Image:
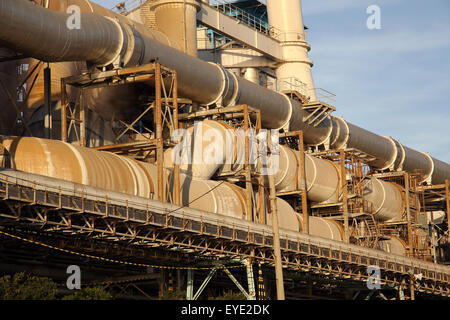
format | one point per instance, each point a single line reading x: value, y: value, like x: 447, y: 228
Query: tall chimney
x: 177, y: 19
x: 285, y: 16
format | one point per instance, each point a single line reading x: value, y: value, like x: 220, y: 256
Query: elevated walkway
x: 226, y: 19
x: 61, y: 206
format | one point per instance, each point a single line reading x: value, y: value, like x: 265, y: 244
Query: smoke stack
x: 285, y: 16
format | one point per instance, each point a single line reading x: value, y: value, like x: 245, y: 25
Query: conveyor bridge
x: 63, y: 206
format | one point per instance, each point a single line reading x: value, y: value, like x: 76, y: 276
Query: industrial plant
x: 181, y: 149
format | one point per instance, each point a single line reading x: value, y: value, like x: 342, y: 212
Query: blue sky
x: 394, y: 81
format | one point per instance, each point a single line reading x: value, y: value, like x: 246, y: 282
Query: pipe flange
x: 391, y: 163
x: 427, y: 177
x: 286, y: 124
x: 222, y: 88
x: 121, y: 49
x: 398, y: 165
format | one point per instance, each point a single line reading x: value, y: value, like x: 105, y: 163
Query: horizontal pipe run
x: 101, y: 41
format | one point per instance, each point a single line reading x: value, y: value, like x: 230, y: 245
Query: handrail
x: 127, y: 6
x: 243, y: 16
x: 223, y: 6
x: 27, y: 180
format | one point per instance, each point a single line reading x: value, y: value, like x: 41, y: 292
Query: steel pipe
x: 104, y: 41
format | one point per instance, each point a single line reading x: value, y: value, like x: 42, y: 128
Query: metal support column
x: 47, y: 102
x: 247, y: 169
x: 411, y: 287
x: 176, y: 183
x: 63, y: 111
x: 158, y: 132
x: 82, y: 119
x: 276, y: 231
x: 250, y: 280
x: 344, y: 195
x: 261, y: 288
x: 408, y: 216
x: 304, y: 187
x: 190, y: 285
x: 447, y: 200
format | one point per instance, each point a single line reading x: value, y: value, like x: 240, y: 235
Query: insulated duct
x: 104, y: 170
x: 106, y: 41
x: 211, y: 145
x: 108, y: 171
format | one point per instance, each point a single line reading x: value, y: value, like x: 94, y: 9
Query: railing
x: 243, y: 16
x: 67, y: 196
x: 325, y: 96
x: 292, y: 84
x: 124, y: 7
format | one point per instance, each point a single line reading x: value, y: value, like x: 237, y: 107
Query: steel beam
x: 204, y: 284
x: 236, y: 282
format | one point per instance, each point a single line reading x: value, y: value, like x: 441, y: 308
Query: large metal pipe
x: 104, y: 41
x: 178, y: 20
x: 386, y: 199
x: 68, y: 162
x: 209, y: 145
x: 108, y: 171
x: 113, y: 173
x: 128, y: 45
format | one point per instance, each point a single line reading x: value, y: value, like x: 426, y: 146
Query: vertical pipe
x: 158, y: 132
x: 344, y: 195
x: 276, y: 233
x: 48, y: 102
x: 177, y: 19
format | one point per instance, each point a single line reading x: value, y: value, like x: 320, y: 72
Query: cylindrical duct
x: 252, y: 75
x: 205, y: 147
x: 287, y: 217
x: 321, y: 227
x: 322, y: 177
x: 178, y: 20
x: 285, y: 16
x: 44, y: 34
x: 382, y: 148
x: 104, y: 41
x: 394, y: 245
x: 416, y: 160
x: 56, y: 159
x: 440, y: 172
x: 385, y: 198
